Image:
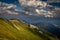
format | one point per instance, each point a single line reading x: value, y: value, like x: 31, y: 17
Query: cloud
x: 10, y: 9
x: 33, y: 3
x: 6, y: 5
x: 7, y: 8
x: 11, y: 6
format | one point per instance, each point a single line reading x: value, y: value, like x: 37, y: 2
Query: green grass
x: 9, y: 32
x: 16, y: 30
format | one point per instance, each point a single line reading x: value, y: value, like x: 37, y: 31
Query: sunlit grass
x: 11, y: 33
x: 16, y: 30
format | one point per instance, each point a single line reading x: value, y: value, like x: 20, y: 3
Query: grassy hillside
x: 16, y: 30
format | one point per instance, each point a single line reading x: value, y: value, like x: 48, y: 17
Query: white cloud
x: 11, y: 6
x: 33, y: 3
x: 7, y: 8
x: 6, y: 5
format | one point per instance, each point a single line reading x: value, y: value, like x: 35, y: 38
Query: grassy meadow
x: 17, y: 30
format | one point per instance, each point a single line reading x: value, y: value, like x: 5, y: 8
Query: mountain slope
x: 16, y: 30
x: 8, y: 32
